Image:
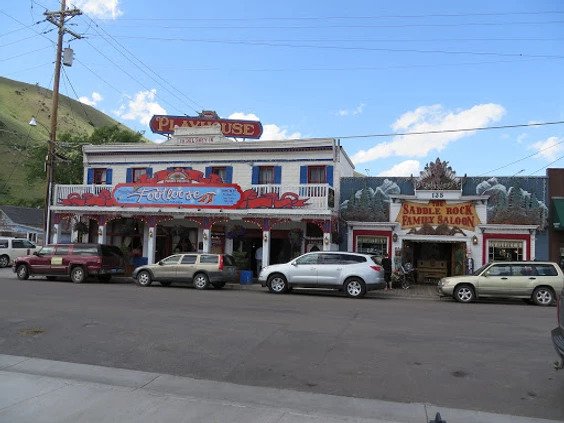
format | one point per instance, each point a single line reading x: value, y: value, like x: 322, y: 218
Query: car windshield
x: 480, y: 270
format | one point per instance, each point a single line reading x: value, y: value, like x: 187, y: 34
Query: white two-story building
x: 202, y: 191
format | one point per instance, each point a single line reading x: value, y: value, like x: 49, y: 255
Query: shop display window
x: 376, y: 245
x: 505, y: 251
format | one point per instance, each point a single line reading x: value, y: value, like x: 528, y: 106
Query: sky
x: 370, y: 73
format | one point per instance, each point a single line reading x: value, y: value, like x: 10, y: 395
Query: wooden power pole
x: 57, y: 18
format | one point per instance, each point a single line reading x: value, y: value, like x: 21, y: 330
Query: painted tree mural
x: 512, y: 205
x: 370, y: 205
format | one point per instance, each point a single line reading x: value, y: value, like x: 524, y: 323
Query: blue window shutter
x: 129, y: 175
x: 149, y: 172
x: 255, y: 179
x: 208, y: 171
x: 330, y: 175
x: 228, y: 174
x: 170, y: 169
x: 109, y: 176
x: 277, y: 174
x: 90, y: 177
x: 303, y: 174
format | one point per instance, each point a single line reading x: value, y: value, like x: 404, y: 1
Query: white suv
x: 352, y: 273
x: 10, y: 248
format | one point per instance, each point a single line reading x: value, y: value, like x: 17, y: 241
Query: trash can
x: 139, y: 261
x: 246, y: 277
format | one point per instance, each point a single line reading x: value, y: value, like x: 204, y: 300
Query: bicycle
x: 406, y: 277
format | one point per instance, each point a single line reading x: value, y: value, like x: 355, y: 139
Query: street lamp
x: 49, y: 168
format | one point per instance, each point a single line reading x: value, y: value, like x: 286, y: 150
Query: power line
x: 446, y: 131
x: 544, y: 167
x: 145, y: 68
x: 301, y: 18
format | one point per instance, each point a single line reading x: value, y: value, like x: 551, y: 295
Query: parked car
x: 77, y: 261
x: 201, y: 269
x: 10, y: 248
x: 353, y: 273
x: 558, y: 332
x: 531, y: 280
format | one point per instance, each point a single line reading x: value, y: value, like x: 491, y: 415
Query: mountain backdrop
x: 19, y: 102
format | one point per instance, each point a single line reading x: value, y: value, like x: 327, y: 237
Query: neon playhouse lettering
x: 158, y: 194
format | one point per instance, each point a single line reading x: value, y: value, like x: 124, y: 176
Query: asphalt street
x: 490, y: 356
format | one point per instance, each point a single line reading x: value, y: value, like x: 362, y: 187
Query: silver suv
x: 201, y: 269
x: 352, y: 273
x: 536, y: 281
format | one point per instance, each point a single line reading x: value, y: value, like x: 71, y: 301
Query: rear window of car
x: 228, y: 260
x: 109, y: 250
x: 22, y: 243
x: 189, y: 259
x: 62, y: 250
x: 546, y: 270
x: 209, y: 259
x: 85, y: 250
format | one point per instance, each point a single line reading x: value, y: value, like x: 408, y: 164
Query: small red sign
x: 164, y: 124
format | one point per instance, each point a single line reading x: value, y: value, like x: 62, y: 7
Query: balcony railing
x: 320, y: 196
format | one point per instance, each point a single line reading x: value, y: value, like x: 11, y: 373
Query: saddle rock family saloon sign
x: 435, y: 213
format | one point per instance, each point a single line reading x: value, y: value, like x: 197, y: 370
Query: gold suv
x: 530, y: 280
x: 201, y: 269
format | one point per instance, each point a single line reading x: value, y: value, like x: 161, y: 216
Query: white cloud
x: 549, y: 148
x: 269, y: 131
x: 141, y: 107
x: 405, y: 168
x: 99, y: 8
x: 426, y: 119
x: 93, y: 100
x: 356, y: 111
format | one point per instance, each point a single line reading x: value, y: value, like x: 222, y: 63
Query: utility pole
x: 57, y: 18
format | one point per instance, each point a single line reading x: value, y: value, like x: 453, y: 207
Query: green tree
x: 68, y: 160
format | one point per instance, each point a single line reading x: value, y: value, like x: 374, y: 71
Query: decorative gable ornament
x: 438, y: 176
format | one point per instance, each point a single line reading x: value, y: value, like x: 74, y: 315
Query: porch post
x: 56, y: 234
x: 151, y: 228
x: 146, y: 240
x: 327, y: 235
x: 102, y: 230
x: 206, y: 240
x: 265, y: 248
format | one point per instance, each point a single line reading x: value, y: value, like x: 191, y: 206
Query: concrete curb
x: 45, y: 390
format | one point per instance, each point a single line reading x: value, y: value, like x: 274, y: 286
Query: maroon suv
x: 77, y: 261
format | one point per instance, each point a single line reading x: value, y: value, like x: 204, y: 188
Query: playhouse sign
x: 435, y: 213
x: 165, y: 124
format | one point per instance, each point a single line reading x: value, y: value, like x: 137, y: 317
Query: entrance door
x: 458, y: 259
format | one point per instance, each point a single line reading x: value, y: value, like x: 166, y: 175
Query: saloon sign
x: 435, y: 213
x: 164, y: 124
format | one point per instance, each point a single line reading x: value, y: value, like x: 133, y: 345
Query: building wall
x: 555, y: 237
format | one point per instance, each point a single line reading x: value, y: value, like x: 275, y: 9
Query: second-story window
x: 266, y: 175
x: 138, y: 172
x: 99, y: 176
x: 316, y: 175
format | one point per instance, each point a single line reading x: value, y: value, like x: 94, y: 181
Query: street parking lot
x: 493, y: 356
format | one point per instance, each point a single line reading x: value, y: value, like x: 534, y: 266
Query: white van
x: 10, y: 248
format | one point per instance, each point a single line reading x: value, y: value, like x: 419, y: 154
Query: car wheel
x: 464, y: 294
x: 277, y: 284
x: 218, y: 285
x: 78, y: 275
x: 144, y: 278
x: 543, y: 296
x: 165, y: 283
x: 355, y: 288
x: 105, y: 278
x: 201, y: 281
x: 22, y: 272
x: 4, y: 261
x: 51, y: 278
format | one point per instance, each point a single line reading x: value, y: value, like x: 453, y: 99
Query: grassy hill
x: 19, y: 102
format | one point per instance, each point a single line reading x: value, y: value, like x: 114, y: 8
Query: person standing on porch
x: 258, y: 258
x: 387, y: 265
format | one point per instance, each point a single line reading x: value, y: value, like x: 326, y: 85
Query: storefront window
x: 505, y: 251
x: 376, y: 245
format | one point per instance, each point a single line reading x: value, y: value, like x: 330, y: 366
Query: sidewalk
x: 37, y: 390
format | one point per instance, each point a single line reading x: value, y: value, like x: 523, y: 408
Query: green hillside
x: 19, y: 102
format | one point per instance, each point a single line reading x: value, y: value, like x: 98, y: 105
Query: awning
x: 558, y: 213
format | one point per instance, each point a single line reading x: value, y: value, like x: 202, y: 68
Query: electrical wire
x: 551, y: 163
x: 145, y: 68
x: 447, y: 131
